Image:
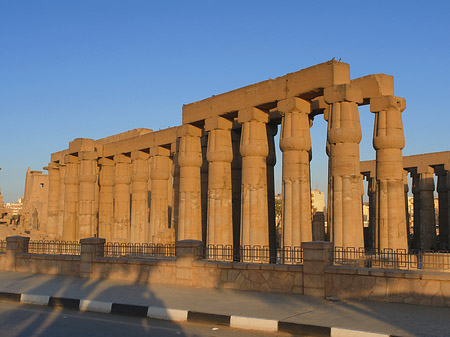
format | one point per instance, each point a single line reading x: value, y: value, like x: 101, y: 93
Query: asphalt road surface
x: 26, y: 320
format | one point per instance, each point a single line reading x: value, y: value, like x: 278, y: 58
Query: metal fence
x: 139, y: 250
x: 254, y: 254
x: 54, y: 247
x: 392, y: 259
x: 2, y: 246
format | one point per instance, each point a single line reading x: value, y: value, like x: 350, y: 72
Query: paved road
x: 26, y: 321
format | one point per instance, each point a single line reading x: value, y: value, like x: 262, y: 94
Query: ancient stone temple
x: 211, y: 178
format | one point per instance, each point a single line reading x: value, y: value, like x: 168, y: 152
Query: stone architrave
x: 219, y: 157
x: 443, y: 191
x: 254, y: 150
x: 53, y: 200
x: 159, y: 213
x: 71, y: 198
x: 189, y: 161
x: 106, y: 199
x: 61, y: 202
x: 139, y: 196
x: 87, y: 177
x: 122, y: 181
x: 388, y: 141
x: 427, y: 211
x: 344, y: 135
x: 295, y: 143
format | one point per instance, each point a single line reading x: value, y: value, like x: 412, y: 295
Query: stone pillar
x: 295, y: 143
x: 344, y: 135
x: 15, y: 245
x: 190, y: 161
x: 106, y: 199
x: 204, y: 184
x: 427, y: 212
x: 53, y: 200
x: 254, y: 150
x: 90, y: 249
x: 271, y: 160
x: 71, y: 198
x: 236, y: 179
x: 139, y: 197
x: 316, y: 257
x: 87, y: 217
x: 219, y: 156
x: 61, y: 202
x: 122, y: 180
x: 416, y: 203
x: 388, y: 141
x: 159, y: 212
x: 443, y: 190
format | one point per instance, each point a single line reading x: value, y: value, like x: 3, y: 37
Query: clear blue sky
x: 91, y: 69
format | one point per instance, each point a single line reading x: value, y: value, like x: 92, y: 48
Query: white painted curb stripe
x: 253, y: 323
x: 339, y: 332
x: 95, y: 306
x: 34, y: 299
x: 167, y: 314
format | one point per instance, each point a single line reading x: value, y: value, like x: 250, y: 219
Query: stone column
x: 204, y: 183
x: 271, y: 160
x: 443, y: 190
x: 61, y: 202
x: 427, y: 212
x: 254, y: 150
x: 106, y: 198
x: 122, y: 180
x: 295, y: 143
x: 236, y: 179
x: 416, y: 204
x: 87, y: 217
x: 139, y: 197
x: 388, y: 141
x: 53, y: 200
x: 190, y: 161
x: 344, y: 135
x: 219, y: 156
x: 70, y: 228
x: 159, y: 212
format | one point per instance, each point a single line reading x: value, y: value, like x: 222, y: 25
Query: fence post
x: 187, y: 251
x: 14, y: 246
x: 317, y: 256
x: 90, y: 248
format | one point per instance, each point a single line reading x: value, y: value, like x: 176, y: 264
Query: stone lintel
x: 189, y: 130
x: 252, y: 114
x: 81, y: 144
x: 121, y: 158
x: 293, y: 104
x: 87, y: 155
x: 159, y: 151
x: 343, y: 93
x: 68, y: 158
x: 139, y: 155
x: 51, y: 166
x: 424, y: 169
x: 375, y: 85
x: 218, y: 123
x: 383, y: 103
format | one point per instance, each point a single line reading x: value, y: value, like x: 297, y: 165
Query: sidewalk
x: 230, y: 306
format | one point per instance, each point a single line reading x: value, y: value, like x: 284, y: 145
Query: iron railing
x: 54, y: 247
x: 254, y: 254
x: 2, y: 246
x: 392, y: 259
x: 139, y: 250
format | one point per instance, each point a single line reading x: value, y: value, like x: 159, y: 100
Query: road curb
x: 177, y: 315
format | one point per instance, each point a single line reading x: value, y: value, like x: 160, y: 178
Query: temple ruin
x: 212, y: 178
